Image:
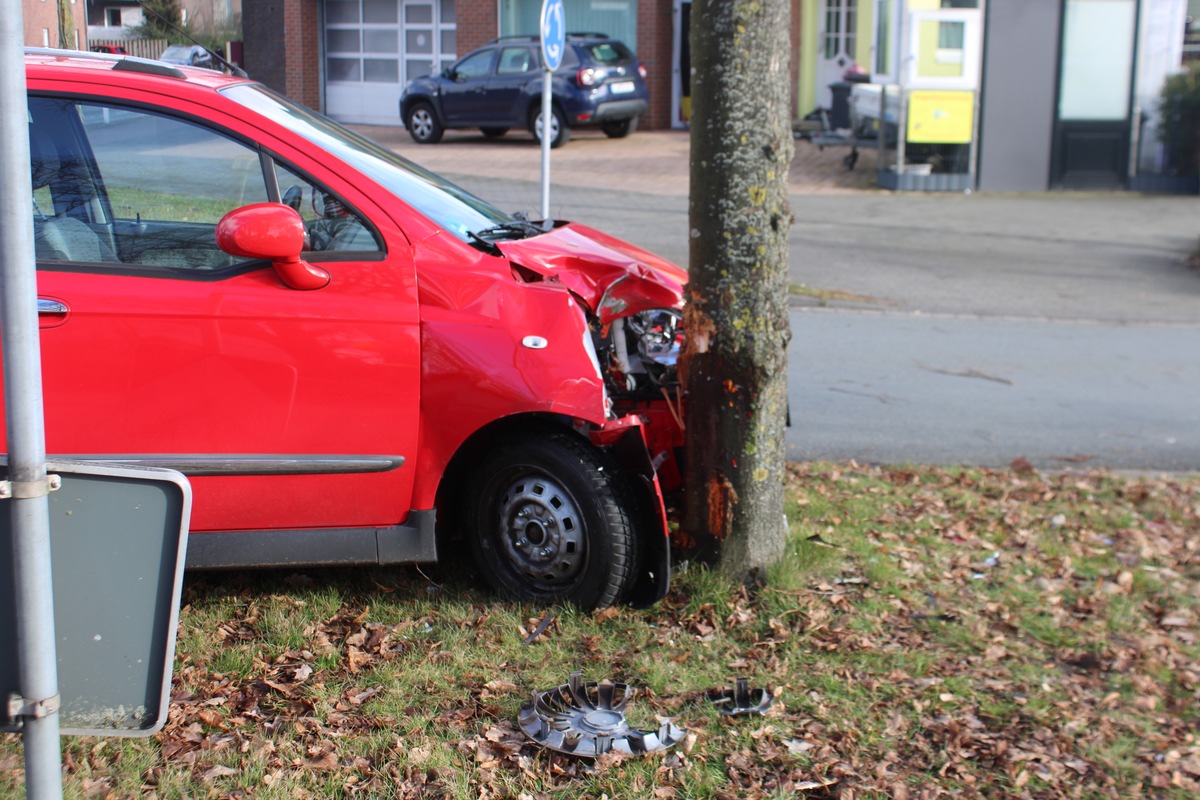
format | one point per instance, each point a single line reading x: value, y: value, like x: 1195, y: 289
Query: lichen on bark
x: 735, y: 366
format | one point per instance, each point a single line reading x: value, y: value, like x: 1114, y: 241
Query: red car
x: 340, y: 348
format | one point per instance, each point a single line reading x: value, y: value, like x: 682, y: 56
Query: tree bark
x: 734, y: 365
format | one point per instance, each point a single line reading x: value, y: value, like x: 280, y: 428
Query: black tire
x: 619, y: 128
x: 558, y: 126
x: 550, y: 520
x: 423, y: 125
x: 493, y: 131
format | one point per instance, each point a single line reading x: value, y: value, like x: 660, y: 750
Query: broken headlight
x: 659, y: 335
x: 641, y: 351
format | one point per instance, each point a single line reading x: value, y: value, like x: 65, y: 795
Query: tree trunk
x: 735, y: 362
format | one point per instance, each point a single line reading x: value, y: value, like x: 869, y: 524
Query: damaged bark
x: 734, y: 366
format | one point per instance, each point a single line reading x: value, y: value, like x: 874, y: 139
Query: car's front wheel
x: 550, y: 520
x: 423, y: 125
x: 619, y: 128
x: 559, y: 132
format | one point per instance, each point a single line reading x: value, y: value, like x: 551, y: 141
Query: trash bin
x: 839, y: 114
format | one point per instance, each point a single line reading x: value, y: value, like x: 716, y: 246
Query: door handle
x: 51, y: 313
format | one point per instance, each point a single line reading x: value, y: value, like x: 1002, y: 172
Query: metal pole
x: 547, y: 116
x: 902, y: 107
x: 38, y: 703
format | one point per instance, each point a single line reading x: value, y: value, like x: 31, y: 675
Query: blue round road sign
x: 554, y: 33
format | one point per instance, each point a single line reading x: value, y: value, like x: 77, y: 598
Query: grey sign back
x: 118, y: 538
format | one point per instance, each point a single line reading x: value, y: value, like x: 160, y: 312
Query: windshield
x: 453, y: 209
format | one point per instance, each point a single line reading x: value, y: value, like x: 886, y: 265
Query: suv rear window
x: 609, y: 52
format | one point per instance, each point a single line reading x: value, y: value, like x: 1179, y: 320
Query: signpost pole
x: 547, y: 116
x: 554, y: 39
x: 37, y: 703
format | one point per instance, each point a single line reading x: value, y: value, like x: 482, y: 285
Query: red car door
x: 289, y: 409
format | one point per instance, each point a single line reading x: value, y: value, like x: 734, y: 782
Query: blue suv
x: 499, y: 86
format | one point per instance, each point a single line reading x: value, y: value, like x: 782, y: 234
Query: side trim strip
x: 194, y: 465
x: 412, y: 542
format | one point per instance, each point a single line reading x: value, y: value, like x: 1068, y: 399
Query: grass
x: 965, y: 633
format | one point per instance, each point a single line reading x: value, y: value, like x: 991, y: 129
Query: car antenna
x: 233, y: 69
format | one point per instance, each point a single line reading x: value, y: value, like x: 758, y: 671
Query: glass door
x: 1093, y: 128
x: 836, y: 40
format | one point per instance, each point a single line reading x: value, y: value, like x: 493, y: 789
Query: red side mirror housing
x: 272, y: 232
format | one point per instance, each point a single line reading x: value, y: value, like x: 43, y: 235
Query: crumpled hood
x: 614, y: 278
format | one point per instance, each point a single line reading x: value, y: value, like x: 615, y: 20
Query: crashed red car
x: 350, y: 358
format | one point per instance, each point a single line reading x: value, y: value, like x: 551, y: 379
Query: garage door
x: 374, y: 47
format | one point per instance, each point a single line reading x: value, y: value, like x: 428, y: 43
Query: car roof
x: 86, y: 67
x: 574, y: 38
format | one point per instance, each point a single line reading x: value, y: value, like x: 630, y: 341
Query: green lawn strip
x: 971, y: 632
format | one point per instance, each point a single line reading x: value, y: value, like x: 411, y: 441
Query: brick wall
x: 478, y: 23
x: 42, y: 15
x: 280, y: 47
x: 656, y: 34
x: 302, y: 31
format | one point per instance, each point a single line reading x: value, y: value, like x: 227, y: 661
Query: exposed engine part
x: 639, y: 353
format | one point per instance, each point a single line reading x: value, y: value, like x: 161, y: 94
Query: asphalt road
x: 935, y: 389
x: 1063, y: 328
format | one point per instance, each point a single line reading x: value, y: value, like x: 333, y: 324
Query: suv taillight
x: 642, y: 71
x: 586, y: 77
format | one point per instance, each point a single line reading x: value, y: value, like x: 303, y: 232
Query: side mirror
x: 273, y: 232
x: 450, y: 74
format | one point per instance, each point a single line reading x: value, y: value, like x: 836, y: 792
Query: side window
x: 514, y: 61
x: 476, y: 65
x: 329, y: 222
x: 134, y: 187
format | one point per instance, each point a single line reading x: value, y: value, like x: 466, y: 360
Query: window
x: 122, y: 186
x: 514, y: 61
x: 112, y: 17
x: 329, y: 222
x: 883, y: 68
x: 477, y: 65
x: 944, y: 49
x: 617, y: 19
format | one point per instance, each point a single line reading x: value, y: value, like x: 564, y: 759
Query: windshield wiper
x: 483, y: 244
x: 517, y: 229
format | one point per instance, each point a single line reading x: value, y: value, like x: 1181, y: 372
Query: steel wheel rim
x: 541, y: 530
x: 422, y: 122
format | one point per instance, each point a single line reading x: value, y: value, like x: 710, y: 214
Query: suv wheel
x: 559, y: 132
x: 423, y: 125
x: 619, y: 128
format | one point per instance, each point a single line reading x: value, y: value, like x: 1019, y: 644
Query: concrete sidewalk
x: 1106, y: 256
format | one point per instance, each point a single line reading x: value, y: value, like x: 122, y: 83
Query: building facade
x: 352, y: 58
x: 46, y: 27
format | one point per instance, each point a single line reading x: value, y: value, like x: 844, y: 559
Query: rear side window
x: 609, y: 52
x: 515, y: 61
